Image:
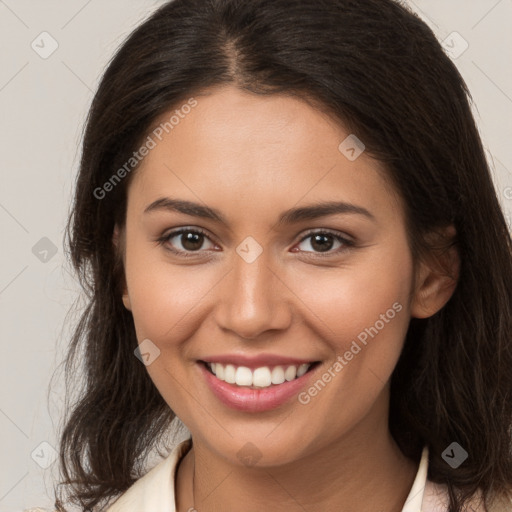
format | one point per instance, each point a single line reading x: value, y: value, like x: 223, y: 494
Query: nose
x: 252, y: 299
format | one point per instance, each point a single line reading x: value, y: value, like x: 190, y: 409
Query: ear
x: 437, y: 278
x: 118, y: 241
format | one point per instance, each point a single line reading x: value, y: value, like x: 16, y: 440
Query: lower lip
x: 254, y: 400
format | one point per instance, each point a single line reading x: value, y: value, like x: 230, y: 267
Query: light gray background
x: 43, y: 103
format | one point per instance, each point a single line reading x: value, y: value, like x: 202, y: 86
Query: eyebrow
x: 291, y: 216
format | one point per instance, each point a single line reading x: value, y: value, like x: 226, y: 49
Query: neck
x: 345, y: 475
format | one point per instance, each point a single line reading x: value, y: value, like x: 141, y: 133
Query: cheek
x: 163, y: 296
x: 362, y: 312
x: 348, y: 300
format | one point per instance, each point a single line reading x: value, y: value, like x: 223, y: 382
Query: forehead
x: 253, y: 152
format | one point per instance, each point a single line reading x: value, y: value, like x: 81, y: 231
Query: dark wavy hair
x: 379, y: 70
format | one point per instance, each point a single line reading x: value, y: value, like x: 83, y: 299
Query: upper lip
x: 257, y: 361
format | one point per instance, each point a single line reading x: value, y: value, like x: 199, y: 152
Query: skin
x: 253, y: 157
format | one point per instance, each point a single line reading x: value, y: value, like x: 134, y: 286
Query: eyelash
x: 349, y: 244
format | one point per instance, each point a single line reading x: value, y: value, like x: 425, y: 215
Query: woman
x: 290, y: 240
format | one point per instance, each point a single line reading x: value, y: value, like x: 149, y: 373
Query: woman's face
x: 258, y: 282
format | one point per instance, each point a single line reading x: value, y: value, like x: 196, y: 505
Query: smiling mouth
x: 258, y: 378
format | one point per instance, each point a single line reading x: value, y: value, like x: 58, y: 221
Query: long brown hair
x: 380, y: 71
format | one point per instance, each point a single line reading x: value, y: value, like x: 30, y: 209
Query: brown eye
x: 186, y: 240
x: 324, y: 241
x: 191, y: 241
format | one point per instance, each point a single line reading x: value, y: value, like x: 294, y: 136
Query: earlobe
x: 118, y: 244
x: 437, y: 280
x: 126, y: 301
x: 116, y: 236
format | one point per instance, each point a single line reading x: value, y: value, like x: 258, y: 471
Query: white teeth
x: 260, y: 377
x: 229, y: 373
x: 290, y: 373
x: 278, y: 375
x: 219, y: 371
x: 243, y: 376
x: 303, y: 368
